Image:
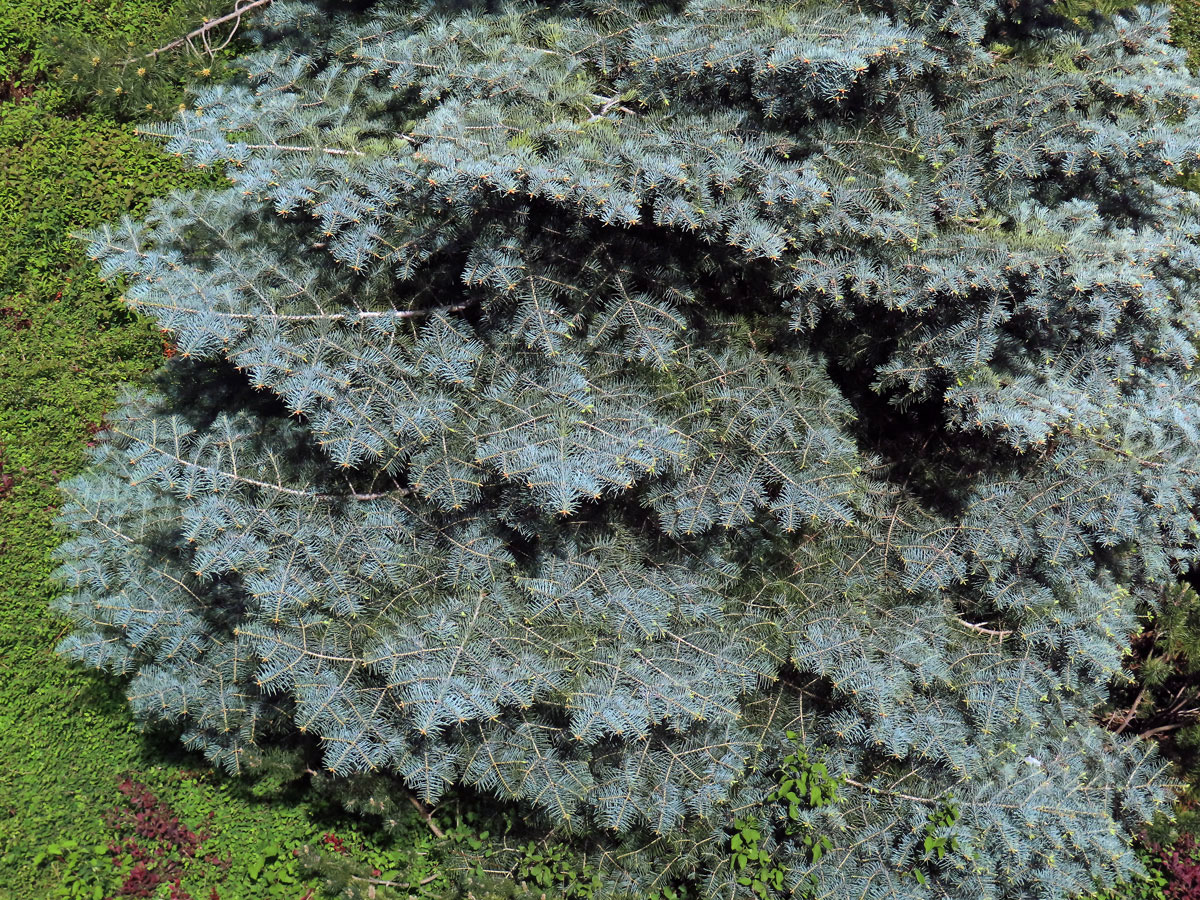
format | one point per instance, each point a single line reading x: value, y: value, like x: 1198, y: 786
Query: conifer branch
x: 306, y: 317
x: 382, y: 882
x: 291, y: 148
x: 295, y: 148
x: 398, y: 492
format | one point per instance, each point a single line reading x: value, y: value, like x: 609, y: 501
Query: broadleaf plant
x: 571, y: 399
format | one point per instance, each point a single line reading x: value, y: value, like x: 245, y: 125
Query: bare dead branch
x: 332, y: 151
x: 203, y: 30
x: 991, y: 632
x: 867, y: 787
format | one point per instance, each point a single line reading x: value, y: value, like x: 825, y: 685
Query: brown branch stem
x: 426, y: 814
x: 1162, y: 729
x: 398, y: 884
x: 1132, y: 710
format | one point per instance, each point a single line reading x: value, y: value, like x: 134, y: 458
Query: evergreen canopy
x: 641, y: 382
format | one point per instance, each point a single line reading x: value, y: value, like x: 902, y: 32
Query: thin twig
x: 874, y: 790
x: 202, y: 31
x: 609, y: 104
x: 1132, y: 710
x: 991, y: 632
x: 320, y: 317
x: 399, y: 884
x: 403, y: 492
x: 396, y: 491
x: 228, y: 39
x: 332, y: 151
x: 59, y: 636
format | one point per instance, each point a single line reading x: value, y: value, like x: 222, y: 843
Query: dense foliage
x: 637, y: 384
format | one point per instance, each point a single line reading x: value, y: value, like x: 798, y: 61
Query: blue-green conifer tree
x: 573, y: 398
